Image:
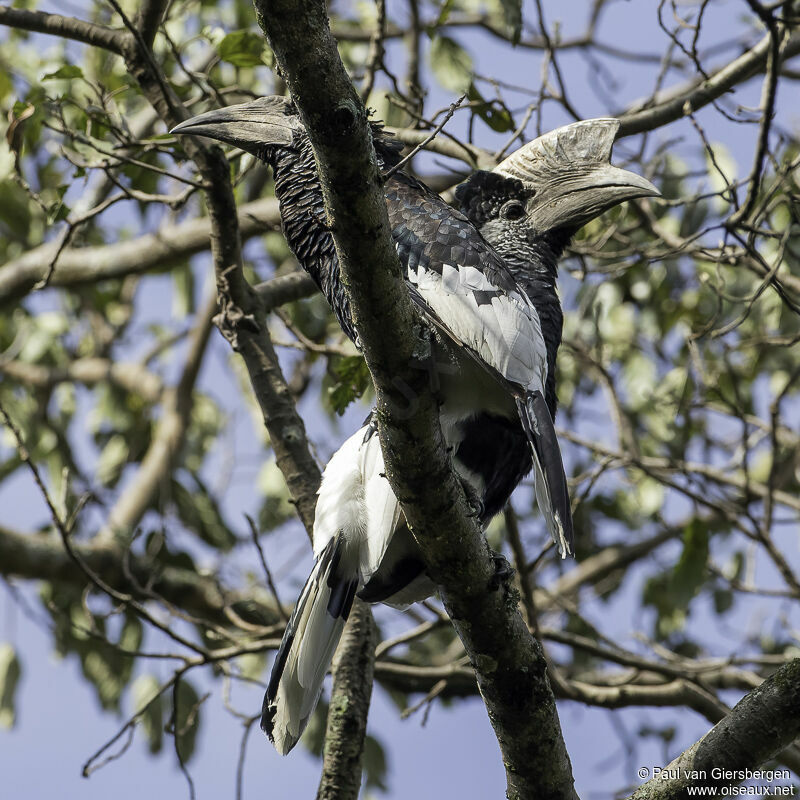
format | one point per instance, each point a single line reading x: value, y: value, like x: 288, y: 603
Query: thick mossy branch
x: 762, y: 723
x: 508, y: 660
x: 353, y: 671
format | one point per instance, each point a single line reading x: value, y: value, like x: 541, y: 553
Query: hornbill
x: 494, y: 298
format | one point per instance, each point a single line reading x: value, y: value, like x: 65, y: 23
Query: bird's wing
x: 464, y: 288
x: 462, y: 285
x: 383, y: 508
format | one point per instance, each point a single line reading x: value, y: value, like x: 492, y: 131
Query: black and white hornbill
x: 496, y: 300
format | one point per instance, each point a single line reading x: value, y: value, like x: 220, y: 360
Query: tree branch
x: 509, y: 663
x: 760, y: 725
x: 285, y: 289
x: 681, y: 102
x: 39, y: 556
x: 129, y: 376
x: 242, y: 322
x: 148, y: 253
x: 353, y: 670
x: 468, y: 153
x: 149, y: 18
x: 156, y: 466
x: 66, y: 27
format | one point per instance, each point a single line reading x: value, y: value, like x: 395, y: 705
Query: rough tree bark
x: 509, y: 662
x: 761, y: 724
x: 353, y: 671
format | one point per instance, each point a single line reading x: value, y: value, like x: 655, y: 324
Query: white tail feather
x: 308, y: 647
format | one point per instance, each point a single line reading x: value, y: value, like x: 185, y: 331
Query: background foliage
x: 678, y: 376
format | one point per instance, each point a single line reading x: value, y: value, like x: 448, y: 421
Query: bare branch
x: 347, y: 712
x: 130, y: 376
x: 148, y: 253
x: 157, y: 464
x: 683, y: 101
x: 149, y: 18
x: 39, y: 556
x: 66, y: 27
x: 757, y: 729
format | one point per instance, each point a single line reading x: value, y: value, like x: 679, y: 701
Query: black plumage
x: 485, y: 280
x: 497, y: 447
x: 463, y: 288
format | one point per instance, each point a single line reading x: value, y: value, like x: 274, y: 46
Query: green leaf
x: 10, y: 671
x: 66, y: 73
x: 41, y: 341
x: 105, y: 662
x: 670, y: 592
x: 690, y: 571
x: 512, y: 15
x: 313, y: 738
x: 200, y: 513
x: 497, y: 117
x: 242, y: 49
x: 15, y: 209
x: 444, y: 15
x: 112, y: 459
x: 723, y: 600
x: 57, y: 212
x: 252, y: 665
x: 353, y: 379
x: 147, y: 699
x: 277, y: 506
x: 187, y: 719
x: 375, y: 763
x: 6, y: 85
x: 156, y: 546
x: 183, y: 296
x: 451, y: 64
x: 108, y: 669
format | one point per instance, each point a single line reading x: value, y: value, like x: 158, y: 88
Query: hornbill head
x: 256, y: 127
x: 554, y: 184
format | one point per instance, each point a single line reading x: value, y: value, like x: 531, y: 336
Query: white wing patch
x: 341, y: 506
x: 450, y: 279
x: 474, y: 279
x: 504, y: 330
x: 383, y: 509
x: 355, y: 499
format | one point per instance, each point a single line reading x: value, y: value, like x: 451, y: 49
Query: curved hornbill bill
x: 485, y: 281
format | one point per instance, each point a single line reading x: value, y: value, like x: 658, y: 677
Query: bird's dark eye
x: 512, y: 210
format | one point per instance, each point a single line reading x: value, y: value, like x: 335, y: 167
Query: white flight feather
x: 506, y: 333
x: 316, y: 634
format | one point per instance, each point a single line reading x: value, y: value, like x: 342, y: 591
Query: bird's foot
x: 476, y: 506
x: 503, y: 571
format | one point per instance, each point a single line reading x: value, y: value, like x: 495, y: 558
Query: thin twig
x: 265, y: 567
x: 452, y: 110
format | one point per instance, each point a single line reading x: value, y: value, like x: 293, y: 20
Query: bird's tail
x: 552, y: 495
x: 308, y: 645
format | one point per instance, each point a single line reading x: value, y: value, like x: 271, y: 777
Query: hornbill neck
x: 534, y: 265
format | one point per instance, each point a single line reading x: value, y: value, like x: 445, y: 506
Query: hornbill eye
x: 512, y: 210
